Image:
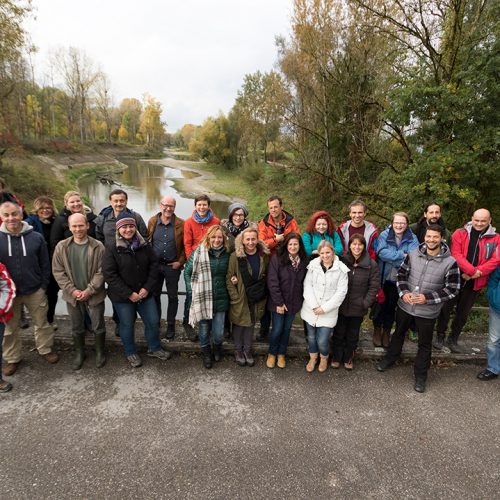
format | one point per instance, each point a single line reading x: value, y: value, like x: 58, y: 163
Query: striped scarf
x: 202, y: 303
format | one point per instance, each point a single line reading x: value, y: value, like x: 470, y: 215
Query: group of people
x: 239, y: 273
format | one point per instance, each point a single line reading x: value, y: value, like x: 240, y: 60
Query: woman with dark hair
x: 205, y: 278
x: 320, y: 227
x: 285, y: 278
x: 235, y: 223
x: 362, y: 289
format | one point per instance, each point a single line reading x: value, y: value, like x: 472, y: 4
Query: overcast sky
x: 191, y: 55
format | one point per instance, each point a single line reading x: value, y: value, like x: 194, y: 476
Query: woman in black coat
x: 364, y: 283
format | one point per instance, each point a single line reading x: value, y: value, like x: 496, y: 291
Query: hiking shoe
x: 383, y: 365
x: 454, y: 347
x: 5, y: 386
x: 160, y: 354
x: 10, y: 368
x: 51, y: 357
x: 412, y: 336
x: 438, y: 343
x: 419, y: 385
x: 134, y: 360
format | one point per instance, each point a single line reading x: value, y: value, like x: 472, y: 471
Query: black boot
x: 206, y: 354
x: 79, y: 344
x: 100, y: 357
x: 217, y: 352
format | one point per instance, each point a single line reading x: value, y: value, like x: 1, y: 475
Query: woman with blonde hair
x: 205, y: 278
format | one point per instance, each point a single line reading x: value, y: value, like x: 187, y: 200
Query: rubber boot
x: 217, y: 352
x: 206, y: 353
x: 79, y: 344
x: 323, y: 363
x: 313, y: 358
x: 100, y: 357
x: 386, y: 337
x: 377, y: 336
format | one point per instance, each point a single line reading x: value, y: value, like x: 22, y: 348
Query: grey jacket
x: 105, y: 225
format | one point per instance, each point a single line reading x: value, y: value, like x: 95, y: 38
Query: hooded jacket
x: 105, y: 224
x: 26, y: 257
x: 326, y: 290
x: 7, y: 294
x: 267, y: 229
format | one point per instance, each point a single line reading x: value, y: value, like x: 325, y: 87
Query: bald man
x: 476, y: 248
x: 166, y: 234
x: 76, y: 265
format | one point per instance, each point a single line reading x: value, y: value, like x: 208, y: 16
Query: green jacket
x: 218, y: 268
x: 239, y: 311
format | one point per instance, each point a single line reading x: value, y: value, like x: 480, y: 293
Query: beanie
x: 125, y: 219
x: 235, y: 206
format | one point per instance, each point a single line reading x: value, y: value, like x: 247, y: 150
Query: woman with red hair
x: 320, y: 227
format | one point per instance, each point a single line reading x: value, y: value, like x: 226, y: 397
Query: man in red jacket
x: 476, y: 248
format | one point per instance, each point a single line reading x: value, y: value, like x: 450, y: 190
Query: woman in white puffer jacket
x: 325, y: 287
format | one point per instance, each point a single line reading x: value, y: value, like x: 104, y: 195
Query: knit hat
x: 125, y: 219
x: 235, y: 206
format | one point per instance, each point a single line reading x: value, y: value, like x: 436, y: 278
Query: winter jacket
x: 178, y: 235
x: 239, y: 310
x: 285, y: 285
x: 194, y: 233
x: 7, y: 295
x: 418, y: 228
x: 61, y: 269
x: 105, y: 224
x: 371, y: 235
x: 326, y: 290
x: 127, y: 271
x: 494, y: 290
x: 364, y: 282
x: 489, y: 253
x: 219, y: 261
x: 26, y: 257
x: 312, y: 240
x: 437, y: 277
x: 389, y: 255
x: 60, y: 229
x: 267, y: 229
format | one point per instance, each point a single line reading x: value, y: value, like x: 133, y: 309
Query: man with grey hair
x: 25, y: 254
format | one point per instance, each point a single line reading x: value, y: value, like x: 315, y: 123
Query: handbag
x: 255, y: 289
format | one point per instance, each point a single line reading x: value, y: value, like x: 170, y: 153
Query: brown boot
x: 377, y: 336
x: 271, y: 361
x: 313, y: 358
x: 386, y: 337
x: 281, y: 361
x: 323, y: 363
x: 10, y: 368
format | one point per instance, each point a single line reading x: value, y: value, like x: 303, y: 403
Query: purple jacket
x: 285, y: 285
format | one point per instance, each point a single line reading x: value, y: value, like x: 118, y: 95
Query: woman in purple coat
x: 285, y: 281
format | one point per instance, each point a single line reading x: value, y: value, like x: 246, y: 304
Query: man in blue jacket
x: 25, y: 254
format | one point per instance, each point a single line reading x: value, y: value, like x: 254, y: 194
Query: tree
x: 131, y: 110
x: 151, y: 127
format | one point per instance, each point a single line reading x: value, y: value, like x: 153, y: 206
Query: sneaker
x: 5, y: 386
x: 412, y: 336
x: 454, y: 347
x: 134, y: 360
x: 160, y: 354
x: 438, y: 343
x: 51, y: 357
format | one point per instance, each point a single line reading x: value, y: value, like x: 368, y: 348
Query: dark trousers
x: 464, y: 302
x: 346, y: 337
x: 425, y: 327
x: 243, y: 338
x: 52, y: 292
x: 171, y: 278
x: 385, y: 318
x: 265, y: 323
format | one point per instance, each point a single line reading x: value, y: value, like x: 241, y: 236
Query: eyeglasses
x: 164, y: 205
x: 399, y: 223
x: 45, y: 208
x: 238, y: 215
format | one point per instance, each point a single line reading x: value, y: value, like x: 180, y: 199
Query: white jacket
x: 325, y: 290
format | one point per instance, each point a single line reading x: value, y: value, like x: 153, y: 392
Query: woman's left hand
x: 318, y: 311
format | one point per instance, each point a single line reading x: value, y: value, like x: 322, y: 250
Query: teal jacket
x: 219, y: 261
x: 311, y: 242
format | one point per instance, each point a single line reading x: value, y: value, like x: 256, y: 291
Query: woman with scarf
x: 246, y: 285
x: 325, y: 287
x: 235, y: 223
x: 205, y: 277
x: 130, y: 269
x: 285, y: 277
x: 320, y: 227
x: 362, y: 288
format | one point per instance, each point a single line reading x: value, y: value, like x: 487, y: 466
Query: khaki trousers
x: 37, y: 305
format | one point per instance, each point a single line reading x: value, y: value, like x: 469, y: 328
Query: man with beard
x: 432, y: 215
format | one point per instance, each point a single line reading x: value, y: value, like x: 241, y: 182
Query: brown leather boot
x: 313, y: 358
x: 386, y: 337
x: 377, y: 336
x: 323, y: 363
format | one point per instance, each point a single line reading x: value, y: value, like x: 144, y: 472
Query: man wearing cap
x: 166, y: 235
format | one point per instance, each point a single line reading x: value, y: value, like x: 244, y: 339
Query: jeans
x: 216, y: 324
x: 77, y: 316
x: 318, y: 339
x: 148, y: 312
x: 385, y: 318
x: 171, y: 278
x: 346, y: 337
x: 280, y: 333
x: 493, y: 346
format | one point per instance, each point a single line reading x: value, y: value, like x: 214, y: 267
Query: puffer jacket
x: 326, y: 290
x: 126, y: 270
x: 364, y: 282
x: 239, y: 310
x: 219, y: 261
x: 60, y: 229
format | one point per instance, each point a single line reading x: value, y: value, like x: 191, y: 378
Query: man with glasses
x: 166, y: 234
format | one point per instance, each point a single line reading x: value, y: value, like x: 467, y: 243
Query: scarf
x: 134, y: 243
x: 295, y: 262
x: 203, y: 220
x: 201, y: 285
x: 235, y: 230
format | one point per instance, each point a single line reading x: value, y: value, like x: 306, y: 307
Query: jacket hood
x: 26, y: 228
x: 445, y: 251
x: 315, y: 264
x: 407, y: 235
x: 489, y: 232
x: 365, y: 260
x: 239, y: 249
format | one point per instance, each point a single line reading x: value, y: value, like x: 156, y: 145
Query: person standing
x: 235, y: 223
x: 166, y: 235
x: 493, y: 347
x: 24, y: 252
x: 246, y: 285
x: 431, y: 215
x: 7, y: 296
x: 320, y: 226
x: 77, y: 268
x: 325, y: 287
x: 428, y: 277
x: 476, y: 248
